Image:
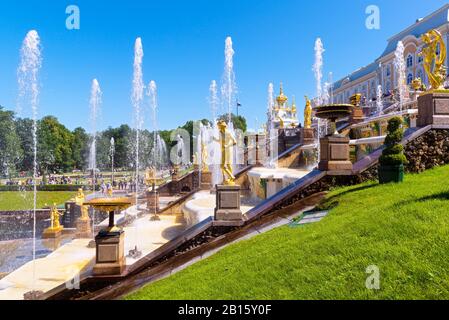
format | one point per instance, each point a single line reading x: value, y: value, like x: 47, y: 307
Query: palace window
x: 388, y: 72
x: 420, y: 59
x: 409, y: 79
x: 420, y: 74
x: 409, y: 61
x: 388, y: 88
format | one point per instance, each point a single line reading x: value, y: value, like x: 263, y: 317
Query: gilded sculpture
x: 308, y: 114
x: 204, y: 157
x: 432, y: 61
x: 227, y: 142
x: 55, y: 225
x: 79, y: 200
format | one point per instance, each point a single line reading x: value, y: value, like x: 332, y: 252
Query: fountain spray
x: 270, y: 125
x: 157, y: 143
x: 152, y: 94
x: 211, y: 133
x: 318, y: 72
x: 136, y: 99
x: 95, y: 107
x: 27, y: 75
x: 213, y: 99
x: 229, y: 88
x: 112, y: 153
x: 399, y: 65
x: 318, y: 69
x: 379, y: 103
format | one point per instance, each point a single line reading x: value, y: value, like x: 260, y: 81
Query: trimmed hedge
x: 49, y: 187
x: 393, y: 154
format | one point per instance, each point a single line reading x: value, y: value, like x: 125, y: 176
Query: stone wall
x: 327, y: 183
x: 427, y: 151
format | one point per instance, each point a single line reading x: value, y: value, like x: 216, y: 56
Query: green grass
x: 11, y: 201
x: 403, y: 229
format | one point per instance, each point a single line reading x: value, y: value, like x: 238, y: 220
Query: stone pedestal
x: 334, y: 154
x: 206, y: 180
x: 357, y: 115
x: 83, y: 228
x: 52, y: 233
x: 307, y: 136
x: 110, y: 257
x: 433, y: 108
x: 153, y: 201
x: 228, y: 204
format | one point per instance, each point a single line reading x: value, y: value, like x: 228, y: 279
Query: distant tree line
x: 61, y: 150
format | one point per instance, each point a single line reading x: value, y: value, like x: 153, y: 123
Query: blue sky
x: 184, y: 47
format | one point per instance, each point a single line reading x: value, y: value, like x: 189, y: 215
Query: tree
x: 54, y: 146
x: 189, y: 128
x: 124, y: 137
x: 10, y: 150
x: 24, y: 128
x: 80, y: 148
x: 238, y: 121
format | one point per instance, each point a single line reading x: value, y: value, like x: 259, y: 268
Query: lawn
x: 10, y: 201
x: 402, y: 229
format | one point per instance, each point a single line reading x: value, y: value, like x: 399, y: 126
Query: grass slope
x: 403, y: 229
x: 11, y: 201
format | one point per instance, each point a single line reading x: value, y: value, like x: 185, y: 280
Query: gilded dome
x: 281, y: 99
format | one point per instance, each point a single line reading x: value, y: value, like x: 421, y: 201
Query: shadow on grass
x: 331, y: 202
x: 443, y: 196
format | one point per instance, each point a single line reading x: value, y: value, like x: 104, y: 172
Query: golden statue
x: 55, y: 229
x: 434, y: 63
x: 355, y: 99
x: 195, y: 159
x: 79, y: 200
x: 80, y: 197
x: 227, y: 142
x: 294, y: 110
x: 204, y: 157
x: 308, y: 114
x: 281, y: 122
x: 54, y: 219
x: 150, y: 175
x: 417, y: 84
x: 110, y: 191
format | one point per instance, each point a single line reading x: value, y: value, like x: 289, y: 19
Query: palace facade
x: 381, y: 72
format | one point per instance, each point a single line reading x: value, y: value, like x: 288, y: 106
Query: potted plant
x: 392, y: 161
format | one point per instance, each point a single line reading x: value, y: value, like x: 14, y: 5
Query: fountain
x: 229, y: 87
x: 379, y: 102
x: 213, y: 148
x: 159, y: 151
x: 110, y: 242
x: 27, y: 75
x: 272, y: 132
x: 95, y: 110
x: 136, y: 99
x: 318, y: 72
x: 111, y: 154
x: 228, y: 92
x: 334, y: 147
x: 399, y: 65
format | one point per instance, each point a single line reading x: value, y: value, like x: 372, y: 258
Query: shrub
x: 393, y: 153
x: 49, y: 187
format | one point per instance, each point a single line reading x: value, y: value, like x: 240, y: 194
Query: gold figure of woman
x: 308, y: 114
x: 227, y: 142
x: 204, y: 157
x: 54, y: 218
x: 433, y: 62
x: 79, y: 200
